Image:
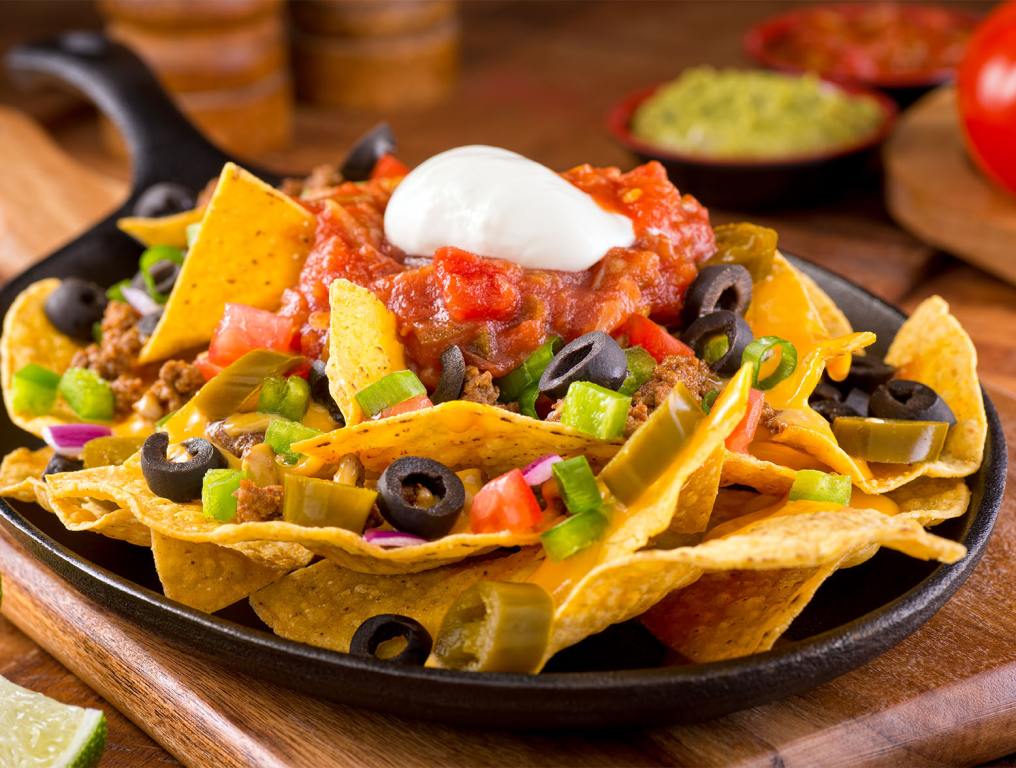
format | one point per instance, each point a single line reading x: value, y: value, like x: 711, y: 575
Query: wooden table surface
x: 538, y: 78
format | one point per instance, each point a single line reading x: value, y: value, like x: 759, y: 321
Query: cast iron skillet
x: 612, y: 679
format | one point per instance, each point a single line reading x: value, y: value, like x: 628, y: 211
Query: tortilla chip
x: 251, y: 246
x: 207, y: 577
x: 835, y: 322
x: 323, y: 604
x: 161, y: 230
x: 363, y: 345
x: 763, y: 476
x: 21, y: 470
x: 931, y: 500
x: 274, y: 541
x: 460, y: 434
x: 930, y: 347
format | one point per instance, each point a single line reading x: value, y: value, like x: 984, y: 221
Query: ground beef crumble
x: 692, y: 372
x: 256, y: 504
x: 479, y: 387
x: 770, y: 419
x: 117, y: 351
x: 321, y: 179
x: 238, y: 445
x: 126, y: 391
x: 178, y: 381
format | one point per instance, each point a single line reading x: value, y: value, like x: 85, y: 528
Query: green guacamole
x: 736, y: 113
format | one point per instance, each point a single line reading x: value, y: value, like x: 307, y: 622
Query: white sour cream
x: 499, y: 204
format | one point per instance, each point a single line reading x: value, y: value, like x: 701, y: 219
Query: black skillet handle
x: 164, y: 146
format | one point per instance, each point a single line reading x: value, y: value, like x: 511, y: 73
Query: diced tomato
x: 506, y: 503
x: 208, y: 369
x: 739, y: 440
x: 244, y: 328
x: 389, y: 166
x: 412, y: 404
x: 474, y: 288
x: 654, y: 339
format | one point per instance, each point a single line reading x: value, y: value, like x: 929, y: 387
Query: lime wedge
x: 37, y: 732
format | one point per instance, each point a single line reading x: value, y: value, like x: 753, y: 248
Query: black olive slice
x: 387, y: 626
x: 138, y: 281
x: 368, y: 149
x: 75, y: 306
x: 146, y: 325
x: 866, y: 373
x: 826, y: 390
x: 178, y: 481
x: 594, y: 357
x: 831, y: 409
x: 720, y: 286
x: 720, y: 323
x: 164, y: 274
x: 857, y: 400
x: 909, y: 401
x: 319, y: 392
x: 397, y: 490
x: 62, y: 464
x: 163, y: 199
x: 453, y: 375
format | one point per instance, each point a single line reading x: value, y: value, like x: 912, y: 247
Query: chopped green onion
x: 150, y: 258
x: 115, y: 291
x: 760, y: 350
x: 217, y: 489
x: 708, y: 399
x: 527, y: 402
x: 573, y: 534
x: 577, y: 484
x: 191, y: 231
x: 286, y: 397
x: 715, y: 348
x: 34, y: 390
x: 391, y: 390
x: 320, y: 503
x: 88, y: 395
x: 97, y: 331
x: 282, y: 433
x: 514, y: 383
x: 813, y: 485
x: 640, y: 367
x: 595, y: 410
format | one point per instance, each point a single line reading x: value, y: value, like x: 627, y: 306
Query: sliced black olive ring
x: 594, y: 357
x: 387, y: 626
x: 909, y: 401
x: 720, y: 323
x: 367, y: 150
x: 866, y: 373
x: 453, y: 376
x: 858, y: 401
x: 62, y: 464
x: 826, y: 390
x: 75, y: 306
x: 319, y: 392
x: 178, y: 481
x: 164, y: 274
x: 163, y: 199
x: 146, y: 325
x: 720, y: 286
x: 832, y: 409
x: 397, y: 489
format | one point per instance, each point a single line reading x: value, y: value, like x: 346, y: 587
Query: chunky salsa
x: 497, y: 311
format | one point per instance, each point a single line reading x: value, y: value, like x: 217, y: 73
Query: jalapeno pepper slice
x: 890, y: 441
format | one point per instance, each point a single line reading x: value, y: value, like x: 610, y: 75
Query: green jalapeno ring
x: 760, y: 350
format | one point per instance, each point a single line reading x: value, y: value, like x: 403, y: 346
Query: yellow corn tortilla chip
x: 205, y: 576
x: 363, y: 345
x: 275, y: 540
x: 29, y: 337
x: 161, y: 230
x: 835, y: 322
x: 251, y: 246
x: 21, y: 470
x: 931, y: 500
x: 460, y: 434
x: 323, y: 604
x: 930, y: 347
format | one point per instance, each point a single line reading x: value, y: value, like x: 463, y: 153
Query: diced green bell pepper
x: 595, y: 410
x: 283, y: 433
x: 34, y: 390
x: 88, y: 395
x: 218, y: 501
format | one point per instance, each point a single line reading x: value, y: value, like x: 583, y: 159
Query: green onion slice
x: 88, y: 395
x: 149, y: 259
x: 515, y: 383
x: 760, y: 350
x: 708, y: 399
x: 115, y: 291
x: 34, y: 390
x: 640, y: 368
x: 813, y: 485
x: 217, y: 489
x: 390, y: 390
x: 577, y: 484
x: 595, y: 410
x: 573, y: 534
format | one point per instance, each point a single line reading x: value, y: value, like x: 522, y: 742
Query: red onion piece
x: 539, y: 471
x: 70, y: 439
x: 391, y: 539
x: 140, y: 300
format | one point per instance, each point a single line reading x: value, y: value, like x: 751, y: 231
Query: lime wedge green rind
x: 38, y: 732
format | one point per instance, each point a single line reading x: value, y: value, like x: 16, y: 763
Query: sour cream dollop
x: 496, y: 203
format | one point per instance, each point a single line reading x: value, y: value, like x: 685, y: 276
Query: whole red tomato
x: 987, y: 95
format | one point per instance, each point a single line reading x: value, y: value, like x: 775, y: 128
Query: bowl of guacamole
x: 754, y: 138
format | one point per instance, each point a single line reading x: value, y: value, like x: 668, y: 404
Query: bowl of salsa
x: 901, y: 49
x: 749, y: 139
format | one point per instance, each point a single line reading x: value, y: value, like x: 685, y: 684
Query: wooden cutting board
x: 946, y: 695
